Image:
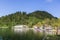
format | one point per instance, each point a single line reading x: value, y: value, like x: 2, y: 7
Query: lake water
x: 1, y: 38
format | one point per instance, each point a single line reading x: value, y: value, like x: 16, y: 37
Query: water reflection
x: 1, y: 38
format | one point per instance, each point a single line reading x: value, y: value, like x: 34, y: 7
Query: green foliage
x: 29, y: 19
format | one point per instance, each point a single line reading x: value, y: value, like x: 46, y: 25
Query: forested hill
x: 41, y: 14
x: 19, y: 18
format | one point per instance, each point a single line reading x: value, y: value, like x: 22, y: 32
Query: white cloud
x: 49, y: 0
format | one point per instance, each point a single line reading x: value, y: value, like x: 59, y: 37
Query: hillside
x: 41, y: 14
x: 24, y: 18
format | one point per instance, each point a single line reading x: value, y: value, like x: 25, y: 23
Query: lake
x: 1, y: 38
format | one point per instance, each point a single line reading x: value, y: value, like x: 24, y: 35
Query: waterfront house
x: 48, y: 29
x: 20, y: 28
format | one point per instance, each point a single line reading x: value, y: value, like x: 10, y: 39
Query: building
x: 46, y: 29
x: 20, y: 28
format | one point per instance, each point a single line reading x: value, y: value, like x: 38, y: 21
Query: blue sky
x: 11, y: 6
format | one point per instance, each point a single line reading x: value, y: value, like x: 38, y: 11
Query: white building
x: 37, y: 29
x: 48, y: 29
x: 20, y: 28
